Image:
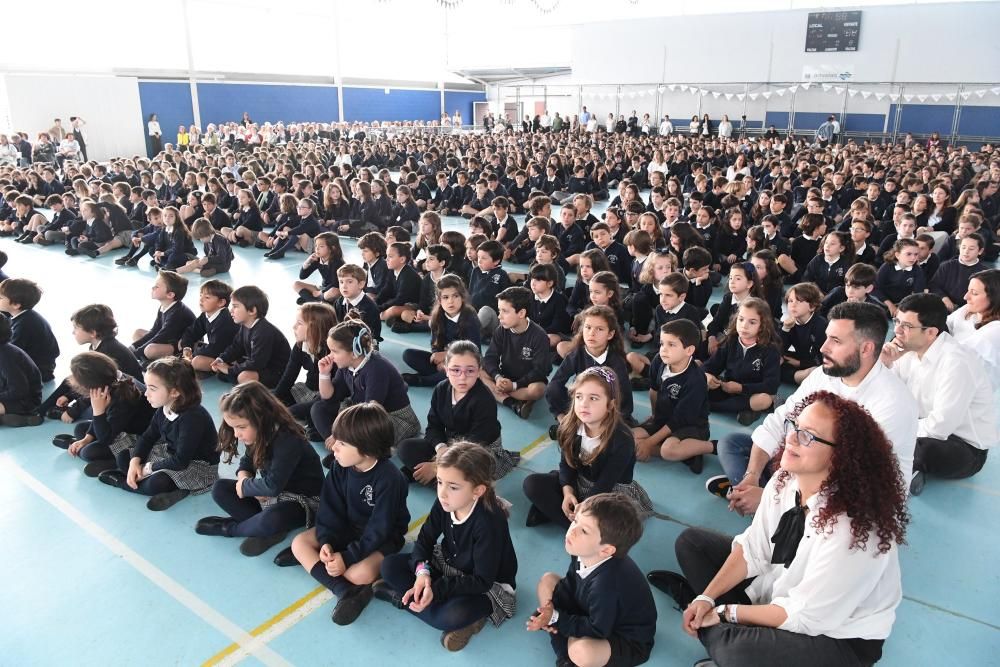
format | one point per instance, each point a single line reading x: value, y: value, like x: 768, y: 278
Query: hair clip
x: 750, y: 269
x: 603, y: 372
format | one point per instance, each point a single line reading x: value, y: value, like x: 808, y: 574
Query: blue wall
x: 223, y: 102
x: 368, y: 104
x: 806, y: 121
x: 979, y: 121
x: 923, y: 118
x: 171, y: 102
x: 463, y: 103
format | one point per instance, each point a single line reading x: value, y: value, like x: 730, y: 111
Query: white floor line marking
x: 277, y: 629
x: 196, y: 605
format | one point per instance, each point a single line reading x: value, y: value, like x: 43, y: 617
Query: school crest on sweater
x: 674, y: 391
x: 757, y: 364
x: 369, y: 495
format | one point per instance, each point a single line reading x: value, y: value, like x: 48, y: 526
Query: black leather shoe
x: 255, y: 546
x: 350, y: 606
x: 695, y: 463
x: 674, y: 585
x: 115, y: 478
x: 285, y: 558
x: 63, y: 440
x: 213, y: 525
x: 383, y: 591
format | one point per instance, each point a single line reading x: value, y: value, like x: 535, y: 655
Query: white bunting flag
x: 827, y: 87
x: 805, y: 86
x: 981, y: 93
x: 921, y: 98
x: 879, y: 96
x: 716, y: 94
x: 966, y: 96
x: 839, y: 90
x: 865, y: 94
x: 672, y: 87
x: 907, y: 98
x: 936, y: 98
x: 852, y: 93
x: 781, y: 92
x: 950, y: 97
x: 684, y: 88
x: 753, y: 96
x: 741, y: 97
x: 729, y: 96
x: 766, y: 95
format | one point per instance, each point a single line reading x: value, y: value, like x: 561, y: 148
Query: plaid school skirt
x: 309, y: 504
x: 197, y: 478
x: 301, y: 393
x: 503, y: 462
x: 633, y: 491
x: 404, y: 423
x: 503, y: 600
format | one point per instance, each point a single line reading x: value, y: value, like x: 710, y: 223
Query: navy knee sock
x: 337, y: 585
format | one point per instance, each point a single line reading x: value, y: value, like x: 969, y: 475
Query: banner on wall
x: 823, y: 73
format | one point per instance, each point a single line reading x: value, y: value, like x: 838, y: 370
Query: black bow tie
x: 789, y: 533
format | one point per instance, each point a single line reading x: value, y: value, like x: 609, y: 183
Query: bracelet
x: 424, y: 572
x: 705, y: 598
x: 324, y: 376
x: 732, y: 614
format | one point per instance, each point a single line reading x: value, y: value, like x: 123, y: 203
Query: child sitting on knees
x: 517, y: 364
x: 601, y: 612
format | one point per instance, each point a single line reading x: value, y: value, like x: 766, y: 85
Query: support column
x: 195, y: 106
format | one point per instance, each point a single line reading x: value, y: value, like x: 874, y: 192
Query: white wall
x: 108, y: 104
x: 937, y: 43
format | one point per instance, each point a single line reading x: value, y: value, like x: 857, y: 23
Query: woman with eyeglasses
x: 815, y: 579
x: 462, y: 408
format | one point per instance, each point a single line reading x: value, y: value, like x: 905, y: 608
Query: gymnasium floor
x: 92, y: 577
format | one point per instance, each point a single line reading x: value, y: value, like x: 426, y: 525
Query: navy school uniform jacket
x: 31, y: 333
x: 758, y: 370
x: 460, y: 194
x: 308, y: 225
x: 612, y: 466
x: 577, y: 361
x: 400, y: 289
x: 619, y: 259
x: 682, y: 399
x: 552, y: 315
x: 895, y: 285
x: 171, y: 243
x: 127, y: 363
x: 219, y: 247
x: 379, y: 273
x: 519, y: 195
x: 20, y: 381
x: 375, y: 380
x: 930, y: 266
x: 261, y: 348
x: 474, y: 418
x: 480, y: 547
x: 807, y: 339
x: 63, y: 218
x: 839, y: 296
x: 210, y: 338
x: 97, y: 231
x: 613, y: 601
x: 442, y: 198
x: 725, y: 312
x: 291, y: 466
x: 466, y: 328
x: 249, y: 218
x: 297, y: 360
x: 571, y: 239
x: 699, y: 295
x: 363, y: 512
x: 122, y: 417
x: 579, y: 298
x: 485, y: 285
x: 168, y: 327
x: 826, y: 276
x: 727, y: 244
x: 408, y: 212
x: 219, y: 218
x: 952, y: 279
x: 520, y: 357
x: 868, y: 255
x: 191, y: 436
x: 508, y: 223
x: 327, y: 273
x: 368, y: 310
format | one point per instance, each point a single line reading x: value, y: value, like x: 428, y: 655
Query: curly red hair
x: 865, y: 481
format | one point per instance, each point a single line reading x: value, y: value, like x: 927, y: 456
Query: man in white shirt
x: 957, y: 419
x: 666, y: 127
x: 545, y: 122
x: 852, y: 369
x: 584, y: 117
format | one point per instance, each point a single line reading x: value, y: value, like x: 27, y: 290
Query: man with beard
x: 851, y: 369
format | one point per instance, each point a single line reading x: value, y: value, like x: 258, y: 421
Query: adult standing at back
x: 77, y: 123
x: 958, y: 423
x: 824, y: 133
x: 584, y: 117
x: 57, y: 131
x: 851, y: 369
x: 155, y: 135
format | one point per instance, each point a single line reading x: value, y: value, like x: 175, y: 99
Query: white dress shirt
x: 882, y: 393
x: 954, y: 395
x: 984, y: 340
x: 829, y: 589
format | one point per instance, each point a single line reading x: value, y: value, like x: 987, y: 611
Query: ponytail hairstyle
x: 269, y: 416
x: 845, y: 240
x: 319, y: 318
x: 438, y: 319
x: 890, y: 256
x: 177, y: 374
x: 750, y: 271
x: 477, y: 466
x: 353, y: 335
x: 569, y: 423
x: 609, y: 281
x: 94, y: 370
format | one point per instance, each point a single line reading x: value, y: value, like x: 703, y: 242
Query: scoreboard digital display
x: 833, y: 31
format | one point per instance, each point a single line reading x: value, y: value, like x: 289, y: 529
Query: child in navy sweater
x: 468, y: 577
x: 827, y: 269
x: 488, y: 279
x: 176, y: 455
x: 549, y: 307
x: 517, y: 363
x: 312, y: 323
x: 744, y: 373
x: 462, y: 408
x: 143, y: 239
x: 619, y: 261
x: 803, y: 332
x: 174, y: 246
x: 259, y: 351
x: 402, y: 284
x: 859, y: 284
x: 29, y: 330
x: 415, y: 316
x: 120, y: 412
x: 452, y: 319
x: 362, y: 516
x: 900, y: 275
x: 677, y: 428
x: 598, y: 454
x: 326, y: 258
x: 373, y: 248
x: 20, y: 383
x: 279, y: 477
x: 213, y: 331
x: 673, y: 305
x: 172, y: 319
x: 354, y: 298
x: 218, y: 253
x: 601, y: 611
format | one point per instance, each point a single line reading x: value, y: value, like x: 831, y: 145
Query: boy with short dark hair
x: 602, y: 611
x: 29, y: 330
x: 487, y: 280
x: 213, y: 331
x: 259, y: 351
x: 859, y: 283
x: 353, y: 297
x: 402, y: 284
x: 517, y: 364
x: 20, y: 383
x: 618, y: 257
x: 172, y: 319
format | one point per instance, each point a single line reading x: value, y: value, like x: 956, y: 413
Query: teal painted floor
x: 92, y: 577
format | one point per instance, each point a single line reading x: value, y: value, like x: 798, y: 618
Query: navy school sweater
x: 577, y: 361
x: 612, y: 466
x: 467, y: 328
x: 759, y: 370
x: 210, y: 339
x: 400, y: 289
x: 520, y: 357
x: 126, y: 361
x: 20, y: 381
x: 261, y: 348
x: 327, y: 273
x: 826, y: 276
x: 619, y: 259
x: 552, y: 315
x: 297, y: 360
x: 292, y: 466
x: 168, y: 328
x: 376, y: 380
x: 191, y: 436
x: 485, y: 285
x: 473, y: 418
x: 30, y: 332
x: 368, y: 310
x: 122, y: 417
x: 897, y: 285
x: 681, y: 400
x: 806, y: 339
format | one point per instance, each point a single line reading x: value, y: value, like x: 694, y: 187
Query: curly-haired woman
x: 815, y: 579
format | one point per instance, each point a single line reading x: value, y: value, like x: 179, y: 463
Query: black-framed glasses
x: 906, y: 326
x: 803, y: 438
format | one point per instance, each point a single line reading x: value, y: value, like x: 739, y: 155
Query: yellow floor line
x: 534, y: 445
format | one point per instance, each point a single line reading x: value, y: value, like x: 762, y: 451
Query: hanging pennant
x: 702, y: 92
x: 794, y: 88
x: 995, y: 91
x: 950, y: 97
x: 852, y: 93
x: 981, y: 93
x: 716, y: 94
x: 753, y: 96
x: 966, y: 96
x: 672, y: 86
x: 805, y: 86
x: 894, y: 97
x: 741, y: 96
x: 683, y: 88
x: 729, y: 96
x: 827, y: 87
x: 865, y: 94
x: 879, y: 96
x: 781, y: 92
x: 661, y: 89
x: 921, y: 98
x: 907, y: 98
x: 839, y: 90
x: 936, y: 98
x: 766, y: 95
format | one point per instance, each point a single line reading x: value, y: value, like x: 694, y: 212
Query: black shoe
x: 214, y: 525
x: 72, y: 252
x: 17, y: 421
x: 115, y: 478
x: 412, y: 380
x: 402, y: 327
x: 123, y: 260
x: 719, y: 486
x: 285, y: 558
x: 747, y: 417
x: 134, y: 261
x: 696, y: 463
x: 90, y: 252
x: 521, y: 408
x: 387, y: 593
x: 640, y: 383
x: 350, y: 606
x: 917, y: 483
x: 95, y: 468
x: 456, y: 640
x: 275, y: 255
x: 243, y: 243
x: 328, y: 461
x: 674, y: 585
x: 313, y: 435
x: 305, y: 296
x: 255, y: 546
x: 164, y: 501
x: 63, y: 440
x: 260, y: 245
x: 536, y: 517
x: 554, y: 432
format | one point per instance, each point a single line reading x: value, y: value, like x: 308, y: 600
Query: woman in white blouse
x: 725, y: 127
x: 815, y: 579
x: 977, y: 323
x: 155, y: 135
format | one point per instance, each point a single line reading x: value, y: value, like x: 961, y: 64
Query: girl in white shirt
x: 822, y: 552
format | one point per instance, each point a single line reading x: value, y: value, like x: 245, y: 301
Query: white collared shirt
x: 361, y: 365
x: 454, y: 318
x: 586, y: 570
x: 601, y: 358
x: 828, y: 589
x: 587, y: 444
x: 164, y: 309
x: 211, y: 318
x: 454, y: 519
x: 985, y: 340
x: 901, y: 268
x: 667, y: 373
x: 170, y: 414
x: 546, y: 299
x: 954, y: 394
x: 356, y: 300
x: 881, y: 392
